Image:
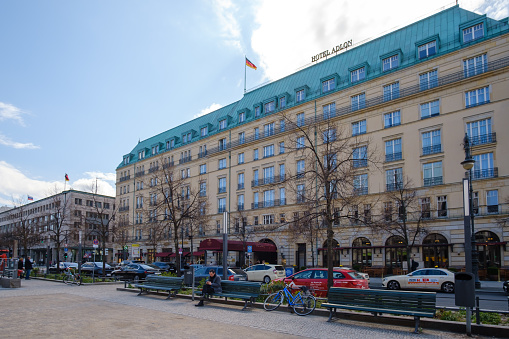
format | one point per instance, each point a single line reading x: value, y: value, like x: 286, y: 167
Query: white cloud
x: 207, y: 110
x: 226, y: 13
x: 287, y: 42
x: 15, y: 184
x: 18, y: 145
x: 8, y: 111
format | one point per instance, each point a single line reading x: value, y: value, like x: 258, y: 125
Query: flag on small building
x: 30, y: 198
x: 66, y: 177
x: 250, y: 64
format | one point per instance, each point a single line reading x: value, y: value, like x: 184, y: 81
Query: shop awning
x: 174, y: 255
x: 163, y: 254
x: 235, y: 245
x: 197, y: 253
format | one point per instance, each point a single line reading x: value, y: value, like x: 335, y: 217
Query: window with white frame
x: 475, y: 65
x: 204, y: 131
x: 360, y: 184
x: 240, y: 158
x: 282, y: 125
x: 328, y: 85
x: 221, y: 205
x: 222, y: 124
x: 282, y: 102
x: 360, y: 156
x: 477, y: 97
x: 394, y: 179
x: 299, y: 95
x: 393, y: 150
x: 390, y: 63
x: 432, y: 173
x: 358, y: 101
x: 479, y: 132
x: 300, y: 119
x: 359, y: 127
x: 358, y: 74
x: 391, y: 91
x: 242, y: 138
x: 473, y: 33
x: 492, y: 201
x: 300, y: 143
x: 427, y: 50
x: 281, y: 147
x: 428, y: 80
x: 255, y: 154
x: 483, y: 166
x: 222, y: 144
x: 430, y: 109
x: 329, y: 110
x: 240, y: 181
x: 222, y: 163
x: 256, y: 177
x: 282, y: 196
x: 442, y: 205
x: 425, y: 208
x: 301, y: 168
x: 330, y: 161
x: 240, y: 202
x: 257, y: 111
x: 222, y: 185
x: 301, y: 193
x: 268, y: 129
x: 268, y: 219
x: 268, y: 175
x: 392, y: 119
x: 242, y: 117
x: 257, y: 133
x: 431, y: 142
x: 256, y: 199
x: 203, y: 189
x: 269, y: 107
x: 268, y: 198
x: 329, y: 135
x: 268, y: 151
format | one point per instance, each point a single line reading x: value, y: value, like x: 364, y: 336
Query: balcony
x: 268, y: 180
x: 168, y: 164
x: 202, y: 154
x: 358, y: 163
x: 433, y: 181
x: 393, y: 186
x: 124, y: 178
x: 483, y: 139
x: 268, y: 203
x: 393, y: 157
x: 221, y: 209
x: 432, y: 149
x: 240, y: 186
x: 221, y: 190
x: 139, y: 174
x: 360, y: 191
x: 153, y: 169
x: 240, y: 207
x: 203, y: 193
x: 185, y: 159
x: 485, y: 173
x: 123, y: 208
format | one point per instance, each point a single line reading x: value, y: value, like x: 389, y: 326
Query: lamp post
x: 226, y: 220
x: 471, y: 258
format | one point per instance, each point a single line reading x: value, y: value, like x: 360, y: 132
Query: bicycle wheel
x: 304, y: 304
x: 67, y: 280
x: 273, y: 301
x: 78, y: 281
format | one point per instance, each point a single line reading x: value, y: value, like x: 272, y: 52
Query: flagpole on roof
x: 245, y: 58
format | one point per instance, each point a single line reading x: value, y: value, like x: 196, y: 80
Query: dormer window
x: 390, y: 63
x: 222, y: 124
x: 473, y: 33
x: 155, y: 149
x: 282, y: 102
x: 299, y: 95
x: 242, y: 117
x: 428, y: 49
x: 141, y: 154
x: 204, y: 131
x: 257, y: 111
x: 358, y: 74
x: 328, y: 85
x: 269, y: 107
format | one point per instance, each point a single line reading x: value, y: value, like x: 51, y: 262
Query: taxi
x: 426, y: 279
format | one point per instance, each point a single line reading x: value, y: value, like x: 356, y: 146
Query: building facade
x: 44, y: 227
x: 407, y: 99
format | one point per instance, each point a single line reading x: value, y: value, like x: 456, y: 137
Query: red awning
x: 174, y: 255
x: 198, y: 253
x: 235, y: 245
x: 163, y: 254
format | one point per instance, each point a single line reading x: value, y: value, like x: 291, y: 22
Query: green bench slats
x: 416, y: 304
x: 245, y: 290
x: 161, y: 283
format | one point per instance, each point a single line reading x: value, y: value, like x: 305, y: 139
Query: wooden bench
x: 160, y: 283
x: 245, y: 290
x: 416, y: 304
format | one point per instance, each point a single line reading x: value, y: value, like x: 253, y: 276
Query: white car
x: 265, y: 272
x: 426, y: 278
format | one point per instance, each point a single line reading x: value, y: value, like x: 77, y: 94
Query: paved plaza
x: 47, y: 309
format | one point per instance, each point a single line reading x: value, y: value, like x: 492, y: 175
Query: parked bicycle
x: 303, y: 302
x: 71, y: 277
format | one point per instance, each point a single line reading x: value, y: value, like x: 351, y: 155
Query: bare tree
x: 331, y: 173
x: 58, y: 230
x: 25, y: 232
x: 120, y: 232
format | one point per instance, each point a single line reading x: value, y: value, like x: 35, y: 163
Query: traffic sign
x: 125, y: 247
x: 249, y: 249
x: 180, y: 251
x: 65, y: 249
x: 96, y: 243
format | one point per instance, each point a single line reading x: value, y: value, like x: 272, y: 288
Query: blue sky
x: 82, y: 81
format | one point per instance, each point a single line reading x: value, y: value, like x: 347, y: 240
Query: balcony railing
x: 357, y: 163
x: 221, y: 209
x: 393, y: 186
x: 139, y: 174
x: 124, y: 178
x: 393, y: 157
x: 123, y: 208
x: 240, y: 207
x: 202, y: 154
x: 483, y: 139
x: 485, y: 173
x: 433, y: 181
x: 221, y: 190
x: 432, y: 149
x: 268, y: 203
x: 153, y: 169
x: 168, y: 164
x: 268, y: 180
x: 240, y: 186
x: 185, y: 159
x: 360, y: 191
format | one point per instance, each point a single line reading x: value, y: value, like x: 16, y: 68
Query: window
x: 255, y: 154
x: 359, y: 127
x: 240, y: 202
x: 430, y: 109
x: 427, y: 50
x: 329, y: 110
x: 257, y: 133
x: 483, y: 167
x: 390, y: 63
x: 392, y: 119
x: 300, y: 119
x: 269, y: 107
x: 329, y: 135
x: 300, y: 193
x: 428, y: 80
x: 492, y: 201
x: 282, y: 126
x: 282, y: 172
x: 301, y: 168
x: 221, y: 205
x: 222, y: 163
x: 479, y: 132
x: 268, y: 151
x: 282, y: 196
x: 360, y: 157
x: 473, y: 33
x: 394, y: 179
x: 202, y: 151
x: 477, y: 97
x: 358, y: 101
x: 204, y: 131
x: 268, y: 198
x: 432, y: 173
x: 388, y: 211
x: 300, y: 142
x: 393, y: 150
x: 203, y: 168
x: 281, y: 147
x: 391, y: 91
x: 360, y: 184
x: 242, y: 117
x: 268, y: 129
x: 330, y: 162
x: 255, y: 178
x: 257, y: 111
x: 172, y: 143
x: 268, y: 219
x: 222, y: 124
x: 299, y: 95
x: 240, y: 158
x: 203, y: 189
x: 222, y: 185
x: 475, y: 65
x: 328, y: 85
x: 268, y: 175
x: 256, y: 200
x: 242, y: 138
x: 240, y: 181
x: 431, y: 142
x: 282, y: 102
x: 358, y: 74
x: 222, y: 144
x: 442, y: 205
x: 425, y: 208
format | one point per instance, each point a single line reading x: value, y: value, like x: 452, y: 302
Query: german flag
x: 250, y: 64
x: 66, y: 177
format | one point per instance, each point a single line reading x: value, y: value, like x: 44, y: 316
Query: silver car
x: 426, y: 278
x: 265, y: 272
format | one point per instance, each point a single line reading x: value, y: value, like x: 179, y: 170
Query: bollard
x: 477, y: 312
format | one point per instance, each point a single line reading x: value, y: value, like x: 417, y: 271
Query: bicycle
x: 302, y: 304
x: 71, y: 277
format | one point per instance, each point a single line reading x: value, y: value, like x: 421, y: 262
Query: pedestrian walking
x: 213, y: 285
x: 20, y: 268
x: 28, y: 268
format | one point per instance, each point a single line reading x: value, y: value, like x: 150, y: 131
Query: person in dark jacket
x: 20, y: 267
x: 213, y: 285
x: 28, y: 268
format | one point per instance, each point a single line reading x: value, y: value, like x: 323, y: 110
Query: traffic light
x: 65, y: 255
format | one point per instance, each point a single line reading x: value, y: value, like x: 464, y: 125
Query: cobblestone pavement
x: 53, y: 310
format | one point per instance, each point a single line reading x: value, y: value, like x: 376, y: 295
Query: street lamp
x: 471, y: 259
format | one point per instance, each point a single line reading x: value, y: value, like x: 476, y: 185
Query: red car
x: 316, y: 280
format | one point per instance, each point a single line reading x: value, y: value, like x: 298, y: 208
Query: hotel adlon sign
x: 335, y: 49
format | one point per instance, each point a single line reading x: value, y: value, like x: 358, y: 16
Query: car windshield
x: 279, y: 268
x: 237, y: 271
x: 355, y: 275
x: 201, y: 271
x: 149, y: 267
x: 100, y: 264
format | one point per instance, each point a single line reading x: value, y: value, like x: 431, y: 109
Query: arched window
x: 335, y: 254
x: 488, y: 249
x: 395, y: 253
x: 362, y: 254
x: 435, y: 251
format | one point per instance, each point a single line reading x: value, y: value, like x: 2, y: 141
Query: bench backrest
x: 164, y: 281
x: 384, y: 299
x: 241, y: 287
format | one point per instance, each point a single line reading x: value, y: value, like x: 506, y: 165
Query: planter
x: 10, y: 283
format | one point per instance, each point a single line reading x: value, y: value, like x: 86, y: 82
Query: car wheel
x: 266, y: 279
x: 448, y: 287
x: 393, y: 285
x: 136, y: 279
